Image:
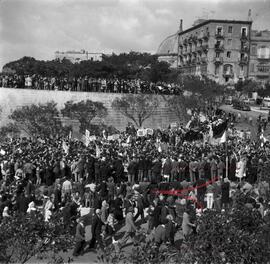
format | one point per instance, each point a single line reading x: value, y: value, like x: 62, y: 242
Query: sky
x: 38, y: 28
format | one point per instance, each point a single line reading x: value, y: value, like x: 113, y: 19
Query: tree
x: 179, y: 105
x: 235, y: 236
x: 247, y: 86
x: 84, y: 112
x: 40, y: 120
x: 138, y: 108
x: 9, y: 129
x: 25, y: 236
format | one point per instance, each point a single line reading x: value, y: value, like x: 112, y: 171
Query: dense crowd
x: 163, y: 178
x: 88, y: 84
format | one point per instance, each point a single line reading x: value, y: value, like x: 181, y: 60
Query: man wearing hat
x: 79, y: 238
x: 96, y: 230
x: 130, y: 227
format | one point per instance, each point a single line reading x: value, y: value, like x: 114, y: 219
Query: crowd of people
x: 87, y: 84
x: 160, y: 178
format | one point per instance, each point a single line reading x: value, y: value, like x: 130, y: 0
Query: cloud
x: 39, y: 28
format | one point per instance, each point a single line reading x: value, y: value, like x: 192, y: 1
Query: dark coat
x: 96, y: 226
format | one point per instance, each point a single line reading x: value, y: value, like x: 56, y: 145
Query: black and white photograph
x: 135, y: 131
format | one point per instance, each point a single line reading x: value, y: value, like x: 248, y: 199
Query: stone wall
x: 11, y: 99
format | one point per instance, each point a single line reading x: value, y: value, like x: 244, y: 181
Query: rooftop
x: 215, y: 21
x: 169, y: 46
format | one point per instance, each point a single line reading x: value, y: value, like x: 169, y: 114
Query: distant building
x: 217, y: 49
x: 78, y: 56
x: 259, y: 68
x: 223, y: 50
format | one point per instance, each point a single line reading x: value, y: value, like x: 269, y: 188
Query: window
x: 228, y: 54
x: 219, y: 30
x: 253, y: 50
x: 230, y: 29
x: 217, y: 70
x: 252, y: 67
x: 229, y: 42
x: 244, y: 32
x: 263, y: 52
x: 217, y: 55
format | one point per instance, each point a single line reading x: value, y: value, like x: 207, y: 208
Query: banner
x: 174, y: 125
x: 141, y: 132
x: 149, y: 131
x: 65, y: 147
x: 98, y: 152
x: 114, y: 137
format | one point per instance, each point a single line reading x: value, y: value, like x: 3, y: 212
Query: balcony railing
x: 263, y: 58
x: 244, y: 37
x: 218, y: 60
x: 199, y: 48
x: 206, y: 35
x: 205, y: 47
x: 203, y: 60
x: 243, y: 61
x: 262, y: 73
x: 219, y: 35
x: 244, y: 49
x: 219, y: 47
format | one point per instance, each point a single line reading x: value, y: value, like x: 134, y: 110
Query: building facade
x: 259, y: 68
x: 78, y: 56
x: 218, y: 49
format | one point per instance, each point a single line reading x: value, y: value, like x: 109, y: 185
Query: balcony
x: 245, y: 49
x: 206, y: 35
x: 263, y: 74
x: 228, y: 73
x: 243, y: 61
x: 194, y: 39
x: 204, y: 60
x: 244, y: 37
x: 199, y: 48
x: 263, y: 58
x: 193, y: 61
x: 219, y: 35
x: 218, y: 61
x: 205, y: 47
x: 263, y: 71
x: 219, y: 47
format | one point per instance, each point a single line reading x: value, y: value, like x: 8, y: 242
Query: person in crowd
x: 96, y: 230
x: 79, y: 239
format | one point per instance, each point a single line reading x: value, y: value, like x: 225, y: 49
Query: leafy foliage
x: 84, y: 112
x: 9, y: 129
x: 39, y: 120
x: 125, y: 65
x: 138, y: 108
x: 236, y: 236
x: 25, y: 236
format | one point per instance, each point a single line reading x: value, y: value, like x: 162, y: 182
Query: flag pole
x: 227, y: 160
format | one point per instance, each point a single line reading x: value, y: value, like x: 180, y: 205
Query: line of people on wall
x: 88, y: 84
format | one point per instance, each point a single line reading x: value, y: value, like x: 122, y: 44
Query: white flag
x: 223, y: 139
x: 188, y: 124
x: 98, y: 152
